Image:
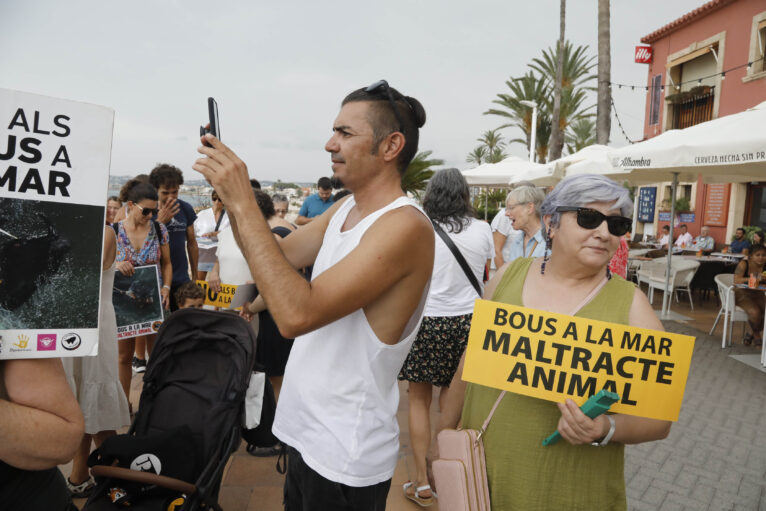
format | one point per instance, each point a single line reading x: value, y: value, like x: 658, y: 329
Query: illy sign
x: 643, y: 54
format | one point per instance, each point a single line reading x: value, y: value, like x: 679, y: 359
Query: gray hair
x: 583, y: 189
x: 278, y: 197
x: 525, y: 194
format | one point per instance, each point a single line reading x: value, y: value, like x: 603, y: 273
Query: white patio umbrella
x: 553, y: 172
x: 729, y: 149
x: 498, y: 175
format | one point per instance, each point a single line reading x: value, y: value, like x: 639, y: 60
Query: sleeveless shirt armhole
x: 518, y: 268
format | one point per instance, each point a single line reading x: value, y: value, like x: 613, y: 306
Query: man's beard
x: 337, y: 184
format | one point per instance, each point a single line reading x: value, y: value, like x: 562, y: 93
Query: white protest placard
x: 54, y: 175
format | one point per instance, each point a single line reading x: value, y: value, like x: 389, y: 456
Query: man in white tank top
x: 354, y: 322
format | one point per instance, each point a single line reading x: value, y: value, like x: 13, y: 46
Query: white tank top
x: 339, y: 398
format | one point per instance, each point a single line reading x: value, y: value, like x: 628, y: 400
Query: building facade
x: 707, y: 64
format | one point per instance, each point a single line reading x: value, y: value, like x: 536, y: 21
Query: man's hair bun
x: 418, y: 111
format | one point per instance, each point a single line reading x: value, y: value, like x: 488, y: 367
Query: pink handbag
x: 460, y: 473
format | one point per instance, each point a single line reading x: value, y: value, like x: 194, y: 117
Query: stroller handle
x: 170, y: 483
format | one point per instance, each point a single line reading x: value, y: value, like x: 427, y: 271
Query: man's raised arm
x: 396, y: 251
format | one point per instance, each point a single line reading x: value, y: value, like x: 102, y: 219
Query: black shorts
x: 306, y: 490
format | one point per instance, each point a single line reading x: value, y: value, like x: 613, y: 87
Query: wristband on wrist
x: 165, y: 286
x: 604, y: 441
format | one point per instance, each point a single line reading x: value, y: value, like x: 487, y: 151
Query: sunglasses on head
x: 147, y: 211
x: 590, y: 219
x: 216, y: 198
x: 382, y: 86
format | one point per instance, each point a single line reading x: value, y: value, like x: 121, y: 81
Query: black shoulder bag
x: 459, y: 257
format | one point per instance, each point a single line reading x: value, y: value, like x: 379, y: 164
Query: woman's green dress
x: 524, y: 475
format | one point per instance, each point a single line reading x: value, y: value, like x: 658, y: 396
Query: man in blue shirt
x: 316, y: 204
x: 740, y: 244
x: 178, y: 216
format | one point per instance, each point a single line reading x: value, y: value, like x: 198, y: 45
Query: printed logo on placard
x: 21, y: 344
x: 46, y: 342
x: 156, y: 325
x: 146, y: 463
x: 71, y: 341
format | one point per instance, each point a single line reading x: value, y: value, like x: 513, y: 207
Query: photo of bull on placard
x: 137, y: 302
x: 50, y: 264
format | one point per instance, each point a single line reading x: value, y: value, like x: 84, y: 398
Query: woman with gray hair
x: 585, y: 215
x: 522, y: 206
x: 441, y: 340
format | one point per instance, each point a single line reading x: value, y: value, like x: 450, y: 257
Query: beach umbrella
x: 730, y: 149
x: 497, y: 175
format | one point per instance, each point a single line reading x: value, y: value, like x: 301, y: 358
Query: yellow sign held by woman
x: 554, y: 356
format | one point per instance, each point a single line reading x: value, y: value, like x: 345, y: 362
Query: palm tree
x: 529, y: 87
x: 491, y: 139
x: 497, y: 155
x: 576, y: 70
x: 478, y: 155
x: 603, y: 110
x: 557, y: 134
x: 418, y: 172
x: 581, y: 133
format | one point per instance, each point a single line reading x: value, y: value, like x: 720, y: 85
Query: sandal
x: 264, y: 452
x: 415, y: 497
x: 82, y: 490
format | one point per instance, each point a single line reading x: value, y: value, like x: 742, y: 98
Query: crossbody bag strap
x: 582, y: 304
x: 459, y: 257
x: 220, y: 219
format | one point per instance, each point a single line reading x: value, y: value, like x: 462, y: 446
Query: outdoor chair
x: 730, y: 312
x: 681, y: 274
x: 635, y: 264
x: 648, y: 270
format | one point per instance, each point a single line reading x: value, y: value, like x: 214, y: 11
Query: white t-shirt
x: 204, y: 224
x: 451, y: 292
x: 502, y: 224
x: 233, y: 268
x: 684, y: 240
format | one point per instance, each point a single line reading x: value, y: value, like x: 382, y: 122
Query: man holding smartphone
x: 355, y: 321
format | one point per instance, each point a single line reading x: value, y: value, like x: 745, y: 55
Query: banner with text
x: 554, y: 356
x: 219, y: 299
x: 54, y: 173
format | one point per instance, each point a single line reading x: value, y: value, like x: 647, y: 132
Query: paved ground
x: 714, y: 458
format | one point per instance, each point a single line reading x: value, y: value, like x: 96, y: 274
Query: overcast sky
x: 280, y: 70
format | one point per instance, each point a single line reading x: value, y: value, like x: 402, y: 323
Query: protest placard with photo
x: 54, y: 174
x: 137, y: 302
x: 554, y: 356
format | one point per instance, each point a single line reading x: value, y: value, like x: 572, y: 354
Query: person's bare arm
x: 740, y: 273
x: 167, y: 274
x: 577, y: 428
x: 110, y: 248
x: 192, y: 249
x: 396, y: 247
x: 214, y: 277
x: 499, y: 241
x: 41, y: 424
x: 302, y: 220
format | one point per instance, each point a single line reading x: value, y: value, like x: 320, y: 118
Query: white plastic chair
x: 635, y: 264
x: 648, y: 270
x: 681, y: 274
x: 730, y: 312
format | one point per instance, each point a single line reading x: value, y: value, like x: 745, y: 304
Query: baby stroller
x: 189, y: 419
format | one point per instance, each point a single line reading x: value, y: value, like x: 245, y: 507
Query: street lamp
x: 533, y: 106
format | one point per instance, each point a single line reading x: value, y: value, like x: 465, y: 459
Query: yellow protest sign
x: 554, y: 356
x: 220, y: 299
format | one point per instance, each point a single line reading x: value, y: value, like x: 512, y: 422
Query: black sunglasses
x: 590, y: 219
x: 216, y: 199
x: 382, y: 85
x: 148, y: 211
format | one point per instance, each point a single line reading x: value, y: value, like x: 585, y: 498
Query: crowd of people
x: 366, y: 287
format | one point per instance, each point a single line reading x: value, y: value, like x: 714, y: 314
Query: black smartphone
x: 215, y: 126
